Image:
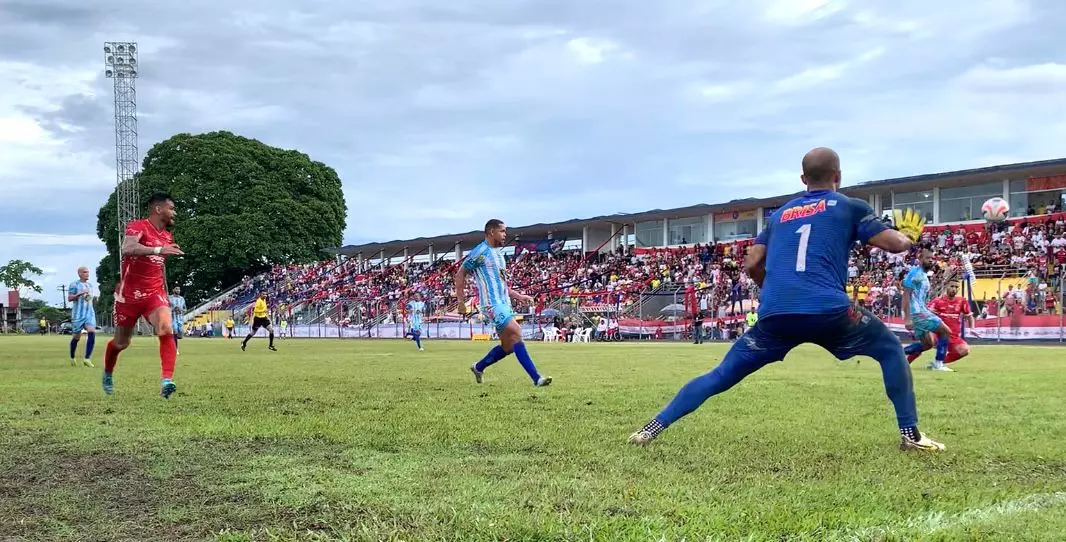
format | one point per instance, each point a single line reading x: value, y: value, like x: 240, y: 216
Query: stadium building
x: 1032, y: 188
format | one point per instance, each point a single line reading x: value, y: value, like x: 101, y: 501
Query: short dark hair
x: 493, y: 224
x: 925, y: 245
x: 159, y: 197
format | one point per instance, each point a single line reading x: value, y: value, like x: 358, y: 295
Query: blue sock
x: 737, y: 365
x: 74, y: 345
x: 896, y: 373
x: 176, y: 341
x: 494, y: 355
x: 526, y: 361
x: 418, y: 340
x: 941, y: 347
x: 914, y: 348
x: 90, y: 341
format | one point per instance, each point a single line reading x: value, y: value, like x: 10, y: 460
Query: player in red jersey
x: 951, y: 309
x: 141, y: 289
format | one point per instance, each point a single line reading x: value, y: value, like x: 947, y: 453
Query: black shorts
x: 259, y: 322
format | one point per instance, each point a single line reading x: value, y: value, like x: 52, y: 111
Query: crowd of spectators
x: 357, y: 293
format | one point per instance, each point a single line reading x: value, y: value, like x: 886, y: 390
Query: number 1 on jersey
x: 801, y: 256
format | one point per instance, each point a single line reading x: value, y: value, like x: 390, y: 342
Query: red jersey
x: 143, y: 276
x: 951, y: 311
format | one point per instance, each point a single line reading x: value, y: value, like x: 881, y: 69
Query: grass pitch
x: 362, y: 440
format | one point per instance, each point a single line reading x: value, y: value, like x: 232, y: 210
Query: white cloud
x: 437, y: 115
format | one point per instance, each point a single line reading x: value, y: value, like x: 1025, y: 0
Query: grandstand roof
x: 917, y: 182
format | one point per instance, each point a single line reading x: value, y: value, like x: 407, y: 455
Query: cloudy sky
x: 437, y: 114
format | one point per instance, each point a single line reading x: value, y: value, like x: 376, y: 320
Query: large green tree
x: 242, y: 206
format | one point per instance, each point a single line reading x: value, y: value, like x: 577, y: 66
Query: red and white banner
x: 1006, y: 328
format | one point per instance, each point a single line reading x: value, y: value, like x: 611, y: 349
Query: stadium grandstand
x: 654, y: 269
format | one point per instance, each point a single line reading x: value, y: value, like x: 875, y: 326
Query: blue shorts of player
x: 845, y: 334
x: 80, y: 323
x: 499, y: 315
x: 926, y: 324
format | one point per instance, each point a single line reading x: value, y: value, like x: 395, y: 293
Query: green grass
x: 360, y: 440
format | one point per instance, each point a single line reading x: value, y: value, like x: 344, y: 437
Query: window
x: 921, y: 202
x: 1022, y: 201
x: 649, y: 234
x: 733, y: 230
x: 963, y: 203
x: 687, y: 230
x: 886, y: 201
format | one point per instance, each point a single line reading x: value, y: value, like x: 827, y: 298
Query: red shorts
x: 954, y: 344
x: 127, y: 312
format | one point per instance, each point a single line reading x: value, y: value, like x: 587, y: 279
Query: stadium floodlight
x: 120, y: 65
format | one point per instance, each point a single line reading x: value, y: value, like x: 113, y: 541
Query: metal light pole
x: 120, y: 65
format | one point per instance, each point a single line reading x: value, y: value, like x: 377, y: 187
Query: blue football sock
x: 89, y: 343
x: 176, y: 341
x: 896, y: 373
x: 418, y: 340
x: 941, y: 347
x: 74, y: 345
x: 494, y: 355
x: 739, y: 362
x: 527, y: 362
x: 914, y: 348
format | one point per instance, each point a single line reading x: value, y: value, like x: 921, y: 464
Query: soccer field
x: 363, y: 440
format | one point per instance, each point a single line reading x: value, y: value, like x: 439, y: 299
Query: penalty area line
x: 930, y: 523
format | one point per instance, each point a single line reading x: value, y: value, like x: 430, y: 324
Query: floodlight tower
x: 120, y: 65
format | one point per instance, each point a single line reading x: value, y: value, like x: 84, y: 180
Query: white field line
x: 938, y: 521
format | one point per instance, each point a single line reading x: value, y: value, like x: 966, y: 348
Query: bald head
x: 821, y: 169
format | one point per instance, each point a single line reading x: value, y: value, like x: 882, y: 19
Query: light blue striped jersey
x: 490, y: 275
x: 83, y: 307
x: 917, y: 281
x: 416, y: 309
x: 177, y: 309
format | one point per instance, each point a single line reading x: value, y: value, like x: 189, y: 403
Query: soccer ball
x: 995, y: 210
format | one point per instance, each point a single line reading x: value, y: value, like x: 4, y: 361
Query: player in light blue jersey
x: 916, y: 314
x: 487, y: 265
x: 177, y: 314
x: 82, y: 316
x: 415, y: 309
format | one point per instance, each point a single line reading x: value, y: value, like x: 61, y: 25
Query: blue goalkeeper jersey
x: 808, y: 244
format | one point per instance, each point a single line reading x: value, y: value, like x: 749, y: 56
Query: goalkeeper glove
x: 909, y: 223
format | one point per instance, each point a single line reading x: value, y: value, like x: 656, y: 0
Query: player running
x: 82, y: 316
x: 800, y: 261
x: 490, y: 273
x: 260, y: 318
x: 416, y: 308
x: 141, y: 290
x: 951, y: 309
x: 916, y: 315
x: 177, y: 315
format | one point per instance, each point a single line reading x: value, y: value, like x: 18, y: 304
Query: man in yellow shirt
x: 260, y: 318
x: 229, y: 328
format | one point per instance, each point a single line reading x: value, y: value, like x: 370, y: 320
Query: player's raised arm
x: 870, y: 230
x: 131, y: 246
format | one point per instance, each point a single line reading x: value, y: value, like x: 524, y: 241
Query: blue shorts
x: 924, y: 325
x: 415, y: 330
x: 80, y: 323
x: 845, y: 334
x: 499, y: 315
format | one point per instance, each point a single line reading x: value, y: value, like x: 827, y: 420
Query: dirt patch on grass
x: 54, y: 492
